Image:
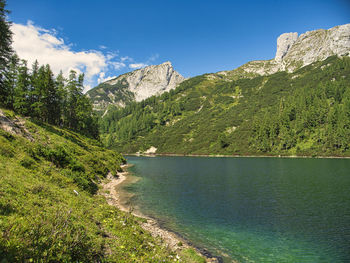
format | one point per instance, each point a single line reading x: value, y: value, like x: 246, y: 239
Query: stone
x: 284, y: 42
x: 137, y: 86
x: 294, y: 52
x: 312, y: 46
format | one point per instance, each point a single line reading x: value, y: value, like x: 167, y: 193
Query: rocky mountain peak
x: 136, y: 86
x: 316, y: 45
x: 153, y: 80
x: 167, y: 63
x: 284, y: 42
x: 294, y: 52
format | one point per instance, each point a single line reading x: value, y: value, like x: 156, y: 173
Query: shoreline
x: 173, y: 240
x: 234, y: 156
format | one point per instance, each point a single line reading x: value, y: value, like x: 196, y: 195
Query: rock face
x: 151, y: 80
x: 135, y: 86
x: 284, y: 42
x: 294, y: 52
x: 315, y: 46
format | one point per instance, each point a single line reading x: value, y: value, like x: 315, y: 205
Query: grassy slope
x: 42, y: 219
x: 214, y: 119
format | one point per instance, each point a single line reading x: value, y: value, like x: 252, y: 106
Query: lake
x: 250, y: 209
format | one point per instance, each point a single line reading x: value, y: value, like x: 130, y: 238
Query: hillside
x: 305, y: 112
x: 135, y: 86
x: 49, y: 209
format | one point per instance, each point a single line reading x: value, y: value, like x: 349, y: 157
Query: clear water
x: 251, y: 209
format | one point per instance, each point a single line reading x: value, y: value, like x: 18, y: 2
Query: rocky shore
x: 172, y: 240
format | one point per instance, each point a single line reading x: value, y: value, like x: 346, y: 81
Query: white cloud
x: 117, y: 65
x: 102, y: 78
x: 137, y: 65
x: 126, y: 58
x: 32, y: 43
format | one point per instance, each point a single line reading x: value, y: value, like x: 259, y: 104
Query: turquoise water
x: 251, y: 209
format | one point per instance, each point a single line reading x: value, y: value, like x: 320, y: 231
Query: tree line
x: 37, y: 93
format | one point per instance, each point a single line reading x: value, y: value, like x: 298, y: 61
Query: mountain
x: 295, y: 109
x: 294, y: 52
x: 135, y: 86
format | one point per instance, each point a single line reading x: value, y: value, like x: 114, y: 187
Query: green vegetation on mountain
x: 302, y: 113
x: 49, y: 211
x: 106, y: 93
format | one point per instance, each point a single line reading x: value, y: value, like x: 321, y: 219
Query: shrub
x: 27, y: 162
x: 58, y: 156
x: 82, y: 180
x: 49, y: 236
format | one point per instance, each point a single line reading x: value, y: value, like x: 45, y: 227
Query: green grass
x: 49, y: 210
x: 191, y: 256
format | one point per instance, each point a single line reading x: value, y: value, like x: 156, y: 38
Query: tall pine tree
x: 5, y: 49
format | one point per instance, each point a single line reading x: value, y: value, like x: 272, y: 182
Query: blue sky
x: 196, y: 36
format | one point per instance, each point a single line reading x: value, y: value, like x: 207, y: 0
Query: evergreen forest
x: 304, y: 113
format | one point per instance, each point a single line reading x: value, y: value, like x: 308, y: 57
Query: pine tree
x: 9, y: 82
x: 62, y: 94
x: 22, y: 90
x: 5, y: 48
x: 51, y: 98
x: 73, y: 95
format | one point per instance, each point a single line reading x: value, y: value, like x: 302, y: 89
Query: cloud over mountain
x: 32, y: 42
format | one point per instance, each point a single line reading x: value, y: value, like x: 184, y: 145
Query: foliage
x: 48, y: 210
x: 191, y: 256
x: 300, y: 113
x: 5, y: 48
x: 38, y: 94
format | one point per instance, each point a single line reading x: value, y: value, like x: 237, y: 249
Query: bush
x: 27, y: 162
x: 76, y: 166
x: 49, y: 236
x: 59, y: 156
x: 82, y: 180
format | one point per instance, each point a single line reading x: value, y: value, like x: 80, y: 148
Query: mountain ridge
x: 304, y: 113
x: 136, y: 86
x: 295, y: 104
x: 294, y: 52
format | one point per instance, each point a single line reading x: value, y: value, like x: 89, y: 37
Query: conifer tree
x: 9, y: 82
x: 22, y: 90
x: 5, y: 48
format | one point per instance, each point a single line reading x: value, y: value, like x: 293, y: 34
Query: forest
x: 302, y: 113
x: 38, y: 94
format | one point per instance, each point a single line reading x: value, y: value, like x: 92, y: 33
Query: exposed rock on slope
x: 135, y: 86
x: 294, y: 52
x: 284, y: 42
x: 14, y: 126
